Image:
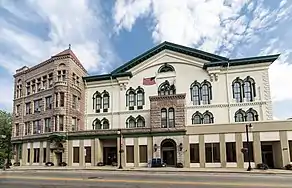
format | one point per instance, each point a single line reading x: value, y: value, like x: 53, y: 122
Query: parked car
x: 157, y: 162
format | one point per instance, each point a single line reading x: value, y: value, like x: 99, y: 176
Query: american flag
x: 149, y: 81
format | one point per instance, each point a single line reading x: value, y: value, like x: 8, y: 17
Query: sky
x: 106, y: 33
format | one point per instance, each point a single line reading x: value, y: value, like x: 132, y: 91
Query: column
x: 41, y: 153
x: 98, y: 151
x: 186, y: 151
x: 149, y: 148
x: 31, y: 153
x: 93, y: 162
x: 70, y: 152
x: 222, y: 150
x: 24, y: 154
x: 257, y: 148
x: 136, y: 152
x: 65, y: 154
x: 284, y: 148
x: 81, y: 153
x: 48, y: 152
x: 202, y: 151
x: 239, y: 154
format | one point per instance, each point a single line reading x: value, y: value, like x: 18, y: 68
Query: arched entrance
x: 168, y: 152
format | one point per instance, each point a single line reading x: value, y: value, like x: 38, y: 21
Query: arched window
x: 208, y: 117
x: 166, y: 68
x: 237, y: 89
x: 163, y: 118
x: 249, y: 89
x: 131, y: 123
x: 130, y: 98
x: 96, y: 101
x: 240, y: 115
x: 171, y: 122
x: 140, y: 121
x: 206, y: 91
x: 195, y: 92
x: 96, y: 124
x: 105, y: 98
x: 251, y: 115
x: 140, y: 97
x: 105, y: 123
x: 197, y: 118
x: 166, y: 89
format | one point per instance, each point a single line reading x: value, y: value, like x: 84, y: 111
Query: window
x: 143, y: 154
x: 206, y: 92
x: 74, y: 101
x: 44, y: 155
x: 208, y: 117
x: 37, y: 106
x: 105, y: 124
x: 49, y: 102
x: 130, y: 154
x: 194, y: 153
x: 37, y: 127
x: 249, y: 115
x: 87, y: 154
x: 240, y: 116
x: 96, y: 101
x: 163, y: 118
x: 50, y: 82
x: 131, y: 122
x: 195, y: 92
x: 197, y: 118
x: 230, y: 151
x: 28, y: 155
x: 171, y: 118
x: 17, y: 110
x: 166, y: 68
x: 140, y: 121
x: 245, y: 155
x: 61, y: 123
x: 17, y: 130
x: 105, y: 101
x: 212, y: 152
x: 96, y: 125
x: 237, y: 89
x: 290, y: 150
x: 27, y: 129
x: 166, y: 89
x: 36, y: 155
x: 140, y: 97
x: 62, y: 99
x: 28, y: 108
x: 48, y: 125
x: 249, y: 89
x: 74, y: 123
x: 130, y: 98
x: 56, y: 100
x: 75, y: 154
x: 45, y: 84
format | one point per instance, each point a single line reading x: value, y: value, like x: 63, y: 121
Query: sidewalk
x: 166, y: 169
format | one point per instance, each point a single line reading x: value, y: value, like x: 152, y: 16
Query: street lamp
x: 120, y: 150
x: 248, y: 145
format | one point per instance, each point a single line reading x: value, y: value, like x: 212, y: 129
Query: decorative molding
x: 213, y: 77
x: 167, y: 97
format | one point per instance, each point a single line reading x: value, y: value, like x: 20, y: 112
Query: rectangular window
x: 74, y: 101
x: 163, y: 118
x: 75, y: 154
x: 28, y: 108
x: 36, y: 155
x: 98, y: 103
x: 61, y: 123
x: 45, y: 155
x: 56, y: 100
x: 74, y: 123
x: 37, y: 106
x: 131, y: 99
x: 28, y: 90
x: 130, y: 154
x: 28, y: 155
x: 230, y: 151
x: 212, y: 152
x: 245, y: 145
x: 194, y: 153
x: 143, y: 154
x: 17, y: 111
x: 87, y: 154
x: 37, y: 127
x: 48, y: 125
x: 105, y: 102
x: 140, y: 100
x: 50, y: 82
x: 17, y: 130
x: 55, y: 123
x: 49, y: 102
x: 27, y: 129
x: 62, y: 99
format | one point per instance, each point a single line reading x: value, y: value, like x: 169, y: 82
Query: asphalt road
x: 108, y: 179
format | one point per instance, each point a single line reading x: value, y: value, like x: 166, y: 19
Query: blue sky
x: 105, y: 34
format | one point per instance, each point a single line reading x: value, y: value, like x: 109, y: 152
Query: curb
x: 145, y: 170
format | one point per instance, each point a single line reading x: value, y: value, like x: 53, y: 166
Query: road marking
x: 238, y: 184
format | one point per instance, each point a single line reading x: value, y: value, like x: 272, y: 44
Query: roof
x: 106, y: 76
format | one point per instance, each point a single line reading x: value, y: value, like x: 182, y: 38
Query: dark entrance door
x: 267, y: 155
x: 59, y: 158
x: 168, y: 152
x: 109, y: 155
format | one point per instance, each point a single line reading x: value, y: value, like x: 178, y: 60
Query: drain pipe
x: 112, y: 99
x: 227, y: 87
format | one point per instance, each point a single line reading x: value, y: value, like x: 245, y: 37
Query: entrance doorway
x: 267, y: 155
x: 109, y: 155
x: 168, y: 152
x: 59, y: 157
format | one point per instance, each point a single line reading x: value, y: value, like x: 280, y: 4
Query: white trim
x: 36, y: 145
x: 250, y: 135
x: 269, y: 136
x: 142, y: 140
x: 231, y: 165
x: 213, y: 165
x: 143, y: 164
x: 211, y: 138
x: 252, y: 164
x: 87, y: 143
x: 193, y: 139
x: 195, y: 165
x: 230, y: 137
x: 129, y: 141
x: 129, y: 164
x: 76, y: 143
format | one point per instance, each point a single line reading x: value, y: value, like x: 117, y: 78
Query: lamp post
x: 248, y: 145
x: 120, y: 150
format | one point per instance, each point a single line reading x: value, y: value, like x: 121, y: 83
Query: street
x: 114, y: 179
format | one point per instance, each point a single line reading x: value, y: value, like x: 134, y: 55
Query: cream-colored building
x: 176, y: 103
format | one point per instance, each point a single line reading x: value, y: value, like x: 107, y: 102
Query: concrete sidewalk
x: 166, y: 169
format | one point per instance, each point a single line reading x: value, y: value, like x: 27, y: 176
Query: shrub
x: 288, y: 167
x: 49, y: 164
x: 16, y: 164
x: 62, y: 164
x: 179, y: 165
x: 262, y: 166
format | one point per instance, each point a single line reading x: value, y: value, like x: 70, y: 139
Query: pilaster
x: 186, y: 151
x: 257, y: 148
x: 239, y: 154
x: 222, y: 150
x: 202, y: 151
x: 136, y: 152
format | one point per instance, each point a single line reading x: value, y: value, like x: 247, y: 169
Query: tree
x: 5, y: 137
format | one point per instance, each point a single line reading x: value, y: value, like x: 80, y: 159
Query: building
x: 176, y: 103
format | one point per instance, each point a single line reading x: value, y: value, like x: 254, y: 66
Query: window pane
x: 36, y: 155
x: 45, y: 155
x: 196, y: 119
x: 143, y: 154
x: 237, y: 92
x: 207, y: 119
x: 75, y: 154
x: 131, y: 123
x: 140, y: 123
x: 28, y: 155
x: 140, y: 99
x: 231, y: 152
x: 247, y: 91
x: 250, y: 116
x: 87, y: 154
x: 194, y: 153
x: 216, y: 152
x: 130, y: 154
x: 239, y: 117
x: 208, y: 152
x: 196, y: 97
x: 105, y: 125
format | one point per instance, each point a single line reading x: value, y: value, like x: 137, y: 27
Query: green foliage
x: 5, y: 136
